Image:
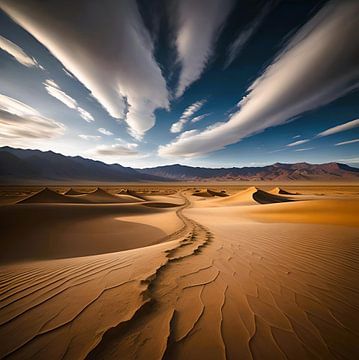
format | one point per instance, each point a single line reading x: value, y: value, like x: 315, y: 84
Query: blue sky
x: 204, y: 83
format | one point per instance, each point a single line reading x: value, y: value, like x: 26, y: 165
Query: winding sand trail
x: 223, y: 286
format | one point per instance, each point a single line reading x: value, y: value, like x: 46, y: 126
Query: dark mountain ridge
x: 26, y: 166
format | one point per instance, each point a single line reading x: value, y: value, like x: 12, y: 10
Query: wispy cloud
x: 296, y: 136
x: 120, y: 149
x: 54, y: 90
x: 189, y: 111
x: 304, y: 149
x: 199, y: 117
x: 347, y: 142
x: 104, y: 131
x: 294, y: 83
x: 198, y: 26
x: 343, y: 127
x: 90, y: 137
x: 122, y: 74
x: 299, y: 142
x: 17, y: 53
x: 19, y: 121
x: 349, y: 160
x: 240, y: 42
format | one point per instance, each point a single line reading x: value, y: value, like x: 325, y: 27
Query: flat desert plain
x: 189, y: 271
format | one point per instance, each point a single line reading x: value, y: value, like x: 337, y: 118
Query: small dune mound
x: 209, y: 193
x: 263, y: 197
x: 46, y: 196
x: 101, y: 196
x: 72, y: 191
x: 250, y: 196
x: 132, y: 193
x: 279, y: 191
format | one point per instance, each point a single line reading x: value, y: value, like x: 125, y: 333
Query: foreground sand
x: 256, y: 274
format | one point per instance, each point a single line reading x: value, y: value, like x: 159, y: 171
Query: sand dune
x: 336, y: 212
x: 280, y: 191
x: 47, y: 195
x: 210, y: 193
x: 250, y: 196
x: 227, y: 281
x: 72, y: 191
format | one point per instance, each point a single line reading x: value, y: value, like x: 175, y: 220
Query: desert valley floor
x: 179, y: 272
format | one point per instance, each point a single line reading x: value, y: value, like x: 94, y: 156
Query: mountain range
x: 35, y: 166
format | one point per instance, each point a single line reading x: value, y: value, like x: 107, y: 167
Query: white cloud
x: 349, y: 161
x: 115, y: 149
x: 299, y: 142
x: 54, y: 90
x: 17, y: 53
x: 189, y: 111
x: 19, y: 121
x: 90, y: 137
x: 199, y: 25
x: 199, y: 117
x: 343, y: 127
x: 117, y: 65
x: 239, y: 43
x: 308, y: 73
x: 347, y: 142
x: 85, y: 114
x: 296, y: 136
x: 104, y: 131
x: 304, y: 149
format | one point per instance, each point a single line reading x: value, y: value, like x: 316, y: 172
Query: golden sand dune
x: 131, y: 193
x: 280, y: 191
x: 47, y: 195
x: 222, y: 285
x: 43, y: 231
x: 73, y: 191
x: 310, y: 211
x: 250, y: 196
x: 210, y: 193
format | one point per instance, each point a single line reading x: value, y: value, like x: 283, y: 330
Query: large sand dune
x: 274, y: 280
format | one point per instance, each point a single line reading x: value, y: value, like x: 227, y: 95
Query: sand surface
x: 263, y: 273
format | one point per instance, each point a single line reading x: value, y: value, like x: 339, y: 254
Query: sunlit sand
x: 179, y: 272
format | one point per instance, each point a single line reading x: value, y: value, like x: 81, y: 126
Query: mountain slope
x: 18, y: 165
x: 22, y: 166
x: 277, y: 172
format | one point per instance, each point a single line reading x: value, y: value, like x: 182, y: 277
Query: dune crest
x: 279, y: 191
x: 72, y: 191
x: 210, y: 193
x: 46, y: 196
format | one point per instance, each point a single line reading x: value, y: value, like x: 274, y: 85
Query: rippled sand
x: 184, y: 274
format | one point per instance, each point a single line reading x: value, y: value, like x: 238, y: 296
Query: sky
x: 215, y: 83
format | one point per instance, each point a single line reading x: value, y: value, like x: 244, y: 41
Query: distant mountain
x: 25, y: 166
x: 35, y: 166
x: 275, y: 172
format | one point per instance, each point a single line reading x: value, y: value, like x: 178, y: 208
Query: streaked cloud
x: 189, y: 111
x: 199, y: 117
x: 54, y: 90
x: 343, y: 127
x: 304, y: 149
x: 299, y: 142
x: 296, y: 136
x: 294, y: 83
x: 120, y: 71
x: 347, y: 142
x: 90, y: 137
x: 240, y: 42
x: 17, y: 53
x: 105, y: 131
x: 350, y: 160
x: 19, y: 121
x: 120, y: 149
x: 199, y: 24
